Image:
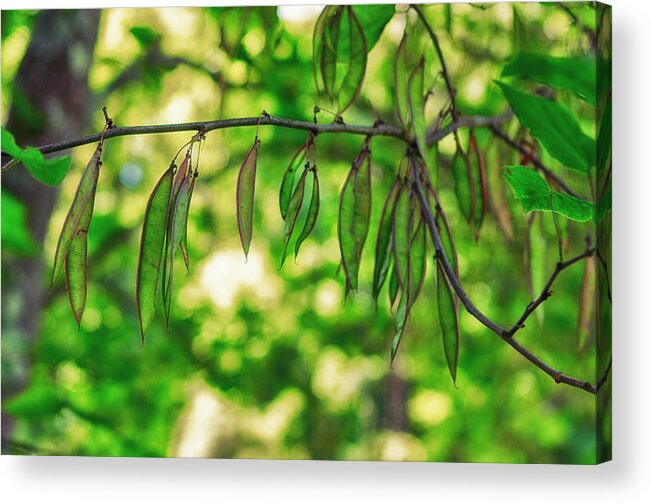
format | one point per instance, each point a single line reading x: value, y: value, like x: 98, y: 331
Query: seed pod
x: 245, y: 196
x: 83, y: 195
x: 477, y: 180
x: 418, y: 249
x: 287, y: 183
x: 448, y: 320
x: 460, y: 172
x: 76, y: 263
x: 383, y: 243
x: 354, y: 215
x: 295, y: 204
x: 312, y: 213
x: 184, y: 237
x: 152, y: 241
x: 175, y: 233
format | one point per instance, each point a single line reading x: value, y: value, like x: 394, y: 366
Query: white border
x: 627, y: 479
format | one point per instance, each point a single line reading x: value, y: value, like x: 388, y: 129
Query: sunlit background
x: 269, y: 363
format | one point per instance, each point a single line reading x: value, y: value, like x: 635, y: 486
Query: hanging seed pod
x: 417, y: 106
x: 179, y: 177
x: 295, y: 204
x: 418, y: 249
x: 287, y: 184
x: 394, y: 286
x: 245, y: 196
x: 339, y: 55
x: 76, y: 263
x: 477, y: 181
x: 175, y: 232
x: 462, y: 187
x: 448, y: 320
x: 152, y: 242
x: 184, y: 236
x: 403, y: 222
x: 586, y: 303
x: 84, y: 194
x: 354, y: 215
x: 312, y: 212
x: 383, y: 244
x: 535, y: 257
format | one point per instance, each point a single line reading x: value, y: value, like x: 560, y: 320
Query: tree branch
x: 472, y: 309
x: 378, y: 129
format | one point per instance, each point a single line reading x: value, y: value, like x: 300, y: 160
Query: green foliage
x: 574, y: 74
x: 16, y: 236
x: 555, y: 127
x: 47, y: 171
x: 534, y: 193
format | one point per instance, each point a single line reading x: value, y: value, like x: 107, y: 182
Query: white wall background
x: 626, y: 480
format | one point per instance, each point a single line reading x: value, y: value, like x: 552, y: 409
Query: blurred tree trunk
x: 51, y: 101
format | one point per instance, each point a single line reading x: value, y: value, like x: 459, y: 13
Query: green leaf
x: 354, y: 215
x: 245, y: 196
x: 534, y: 193
x: 295, y: 204
x: 76, y: 262
x: 84, y: 194
x: 374, y: 18
x: 287, y: 184
x: 383, y: 242
x: 448, y: 320
x: 417, y: 106
x: 575, y: 74
x: 312, y: 213
x: 152, y: 241
x: 554, y: 127
x: 16, y: 235
x: 48, y: 171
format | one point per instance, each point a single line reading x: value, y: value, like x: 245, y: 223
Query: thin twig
x: 444, y: 69
x: 472, y: 309
x: 546, y: 290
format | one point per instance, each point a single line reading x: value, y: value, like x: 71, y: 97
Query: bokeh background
x: 261, y: 362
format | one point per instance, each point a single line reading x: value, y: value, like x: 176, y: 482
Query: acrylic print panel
x: 369, y: 232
